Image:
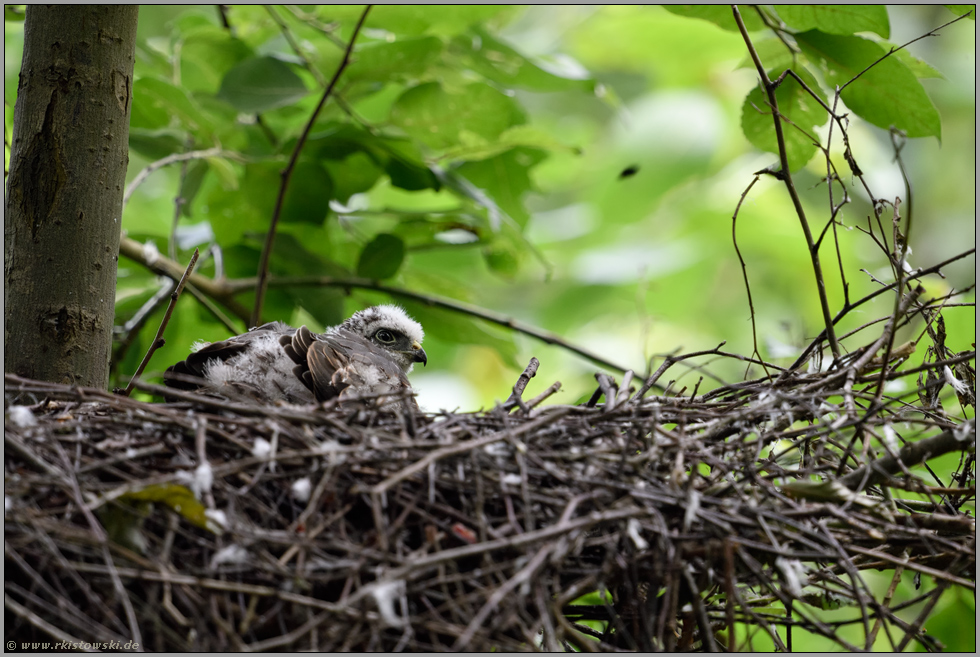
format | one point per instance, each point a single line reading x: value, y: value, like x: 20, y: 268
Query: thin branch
x: 745, y: 273
x: 131, y: 329
x: 179, y: 202
x: 164, y: 266
x: 522, y: 381
x: 671, y: 360
x: 158, y: 341
x: 287, y: 173
x: 848, y: 308
x: 894, y: 50
x: 224, y: 290
x: 173, y: 159
x: 787, y: 179
x: 56, y: 632
x: 291, y: 40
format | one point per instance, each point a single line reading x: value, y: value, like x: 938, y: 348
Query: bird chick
x: 369, y: 354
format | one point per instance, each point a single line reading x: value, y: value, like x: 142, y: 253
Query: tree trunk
x: 64, y: 195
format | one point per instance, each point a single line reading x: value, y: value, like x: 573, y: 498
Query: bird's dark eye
x: 384, y: 335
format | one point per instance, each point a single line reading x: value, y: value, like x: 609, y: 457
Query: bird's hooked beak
x: 418, y: 354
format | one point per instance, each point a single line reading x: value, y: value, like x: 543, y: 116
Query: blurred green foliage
x: 575, y: 168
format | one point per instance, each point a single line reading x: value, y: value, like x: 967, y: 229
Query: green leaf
x: 773, y: 53
x: 124, y: 523
x: 836, y: 19
x: 154, y: 144
x: 356, y: 174
x: 398, y: 157
x: 336, y: 141
x: 405, y: 167
x: 233, y: 214
x: 191, y: 184
x: 959, y: 10
x: 308, y: 195
x: 180, y: 499
x: 381, y: 258
x: 158, y: 96
x: 299, y: 251
x: 260, y: 84
x: 225, y: 171
x: 499, y: 62
x: 520, y: 135
x: 919, y: 68
x: 443, y: 20
x: 503, y: 258
x: 13, y: 13
x: 385, y: 61
x: 796, y: 105
x: 720, y: 15
x: 206, y: 55
x: 505, y: 178
x: 886, y: 95
x: 422, y: 229
x: 437, y: 118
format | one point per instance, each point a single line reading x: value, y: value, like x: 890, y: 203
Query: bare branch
x: 173, y: 159
x: 287, y: 173
x: 158, y: 341
x: 787, y: 179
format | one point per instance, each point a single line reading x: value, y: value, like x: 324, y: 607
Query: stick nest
x: 639, y: 523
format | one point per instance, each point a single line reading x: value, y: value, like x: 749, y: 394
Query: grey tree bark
x: 64, y: 194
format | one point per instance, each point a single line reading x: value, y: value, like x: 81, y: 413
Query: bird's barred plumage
x: 370, y: 354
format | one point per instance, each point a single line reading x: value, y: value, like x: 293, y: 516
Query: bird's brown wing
x: 343, y: 364
x: 297, y: 347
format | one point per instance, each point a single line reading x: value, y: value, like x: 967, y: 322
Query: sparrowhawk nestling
x: 369, y: 354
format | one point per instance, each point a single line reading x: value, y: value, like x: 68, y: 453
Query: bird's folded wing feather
x: 180, y: 375
x: 342, y: 363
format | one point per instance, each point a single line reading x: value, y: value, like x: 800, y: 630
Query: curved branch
x: 173, y: 159
x: 287, y: 173
x: 437, y: 302
x: 163, y: 266
x: 895, y: 49
x: 224, y: 290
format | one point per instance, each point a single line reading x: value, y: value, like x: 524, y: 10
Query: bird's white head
x: 390, y: 328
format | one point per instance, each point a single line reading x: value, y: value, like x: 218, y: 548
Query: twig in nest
x: 158, y: 341
x: 607, y: 385
x: 522, y: 381
x: 552, y: 389
x: 670, y: 360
